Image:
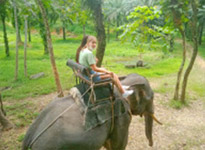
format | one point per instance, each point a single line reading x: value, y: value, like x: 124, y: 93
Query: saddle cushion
x: 101, y: 92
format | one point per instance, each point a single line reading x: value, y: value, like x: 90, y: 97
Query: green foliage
x: 143, y: 29
x: 21, y: 137
x: 65, y: 10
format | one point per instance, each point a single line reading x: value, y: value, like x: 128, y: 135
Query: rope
x: 92, y: 93
x: 49, y: 125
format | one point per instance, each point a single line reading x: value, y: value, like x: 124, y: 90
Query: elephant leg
x: 119, y: 137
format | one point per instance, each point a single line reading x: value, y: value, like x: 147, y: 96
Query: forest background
x: 166, y: 35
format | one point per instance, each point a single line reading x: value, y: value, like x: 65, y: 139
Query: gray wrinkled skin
x: 67, y: 132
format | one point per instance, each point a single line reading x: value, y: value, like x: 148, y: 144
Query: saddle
x: 81, y: 72
x: 96, y: 100
x: 102, y: 110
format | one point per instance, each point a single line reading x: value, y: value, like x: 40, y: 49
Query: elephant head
x: 141, y: 101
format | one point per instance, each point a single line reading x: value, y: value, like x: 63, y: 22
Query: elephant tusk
x: 155, y: 119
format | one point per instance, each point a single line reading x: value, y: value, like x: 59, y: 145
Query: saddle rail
x: 81, y: 72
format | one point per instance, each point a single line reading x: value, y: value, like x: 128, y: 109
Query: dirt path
x: 181, y: 129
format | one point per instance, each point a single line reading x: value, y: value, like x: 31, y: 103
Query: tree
x: 50, y: 48
x: 17, y: 38
x: 25, y: 46
x: 3, y: 17
x: 27, y: 11
x: 117, y: 10
x: 42, y: 29
x: 194, y: 30
x: 144, y: 29
x: 16, y: 13
x: 83, y: 15
x: 96, y: 7
x: 178, y: 11
x: 65, y: 9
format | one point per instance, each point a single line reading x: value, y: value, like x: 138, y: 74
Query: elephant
x: 67, y: 132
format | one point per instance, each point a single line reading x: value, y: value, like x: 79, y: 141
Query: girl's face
x: 92, y: 44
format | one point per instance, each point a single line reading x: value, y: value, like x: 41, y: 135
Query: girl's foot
x: 127, y: 93
x: 125, y: 87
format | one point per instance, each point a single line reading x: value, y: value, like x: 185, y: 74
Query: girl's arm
x: 97, y: 69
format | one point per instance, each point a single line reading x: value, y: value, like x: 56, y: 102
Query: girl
x: 85, y: 57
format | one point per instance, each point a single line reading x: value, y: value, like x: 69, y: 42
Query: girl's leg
x: 118, y: 83
x: 116, y: 80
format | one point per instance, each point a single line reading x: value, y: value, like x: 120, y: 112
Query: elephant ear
x: 138, y: 85
x: 141, y: 89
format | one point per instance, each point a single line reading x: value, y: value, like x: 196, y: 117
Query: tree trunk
x: 46, y: 51
x: 64, y: 34
x: 96, y: 7
x: 29, y: 31
x: 194, y: 30
x: 50, y: 47
x: 19, y: 37
x: 3, y: 120
x: 108, y: 32
x: 5, y: 35
x: 17, y: 40
x: 178, y: 23
x: 176, y: 93
x: 118, y: 24
x: 171, y: 43
x: 83, y: 29
x: 43, y: 34
x: 19, y: 28
x: 64, y: 30
x: 25, y: 47
x: 201, y: 28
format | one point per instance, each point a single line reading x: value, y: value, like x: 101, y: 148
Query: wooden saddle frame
x: 82, y: 74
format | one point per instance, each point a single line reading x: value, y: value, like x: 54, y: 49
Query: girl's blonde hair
x: 86, y: 39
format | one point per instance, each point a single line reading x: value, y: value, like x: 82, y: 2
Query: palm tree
x: 50, y: 47
x: 117, y: 10
x: 65, y: 11
x: 3, y: 17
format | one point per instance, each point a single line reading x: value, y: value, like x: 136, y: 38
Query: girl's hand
x: 109, y: 72
x: 96, y: 60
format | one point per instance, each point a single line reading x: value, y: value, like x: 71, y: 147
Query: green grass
x: 117, y: 55
x: 177, y: 104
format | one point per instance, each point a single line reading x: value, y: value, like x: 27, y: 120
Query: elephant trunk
x: 148, y: 127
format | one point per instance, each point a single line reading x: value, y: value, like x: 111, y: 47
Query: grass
x: 122, y: 53
x: 177, y: 104
x: 117, y: 55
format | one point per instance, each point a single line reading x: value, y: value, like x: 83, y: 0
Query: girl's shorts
x: 96, y: 78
